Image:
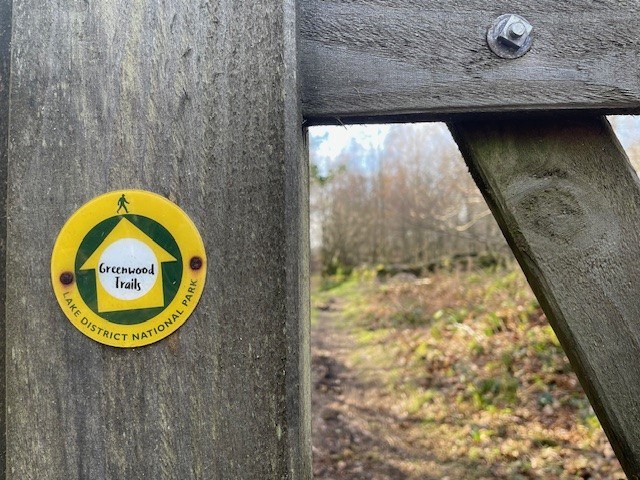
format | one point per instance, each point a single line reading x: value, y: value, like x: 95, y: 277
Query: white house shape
x: 127, y: 281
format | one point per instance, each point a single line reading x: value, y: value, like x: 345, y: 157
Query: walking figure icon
x: 122, y: 203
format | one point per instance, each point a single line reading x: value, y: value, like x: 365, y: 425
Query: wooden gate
x: 206, y: 103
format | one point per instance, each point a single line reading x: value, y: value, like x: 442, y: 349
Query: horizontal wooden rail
x: 372, y: 60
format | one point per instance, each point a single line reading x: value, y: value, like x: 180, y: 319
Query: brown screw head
x: 66, y: 278
x: 195, y: 263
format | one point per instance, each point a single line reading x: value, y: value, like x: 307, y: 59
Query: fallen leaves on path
x: 457, y: 376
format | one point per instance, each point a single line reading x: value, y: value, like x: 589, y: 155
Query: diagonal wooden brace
x: 568, y: 202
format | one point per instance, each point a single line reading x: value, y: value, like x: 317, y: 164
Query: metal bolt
x: 510, y: 36
x: 66, y: 278
x: 517, y: 30
x: 195, y: 263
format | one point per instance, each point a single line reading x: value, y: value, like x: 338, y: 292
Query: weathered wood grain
x: 5, y: 67
x: 373, y: 60
x: 568, y: 202
x: 196, y: 101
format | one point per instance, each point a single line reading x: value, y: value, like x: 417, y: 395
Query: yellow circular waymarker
x: 128, y: 268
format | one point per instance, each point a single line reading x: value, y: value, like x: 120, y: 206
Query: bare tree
x: 412, y: 201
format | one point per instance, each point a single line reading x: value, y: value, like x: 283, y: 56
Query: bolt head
x: 510, y: 36
x: 514, y: 32
x: 517, y: 30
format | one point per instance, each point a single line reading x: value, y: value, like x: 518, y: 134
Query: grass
x: 471, y: 359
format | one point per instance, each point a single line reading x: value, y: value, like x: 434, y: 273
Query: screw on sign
x: 66, y: 278
x: 195, y: 263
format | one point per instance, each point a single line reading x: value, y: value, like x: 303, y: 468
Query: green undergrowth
x: 470, y: 359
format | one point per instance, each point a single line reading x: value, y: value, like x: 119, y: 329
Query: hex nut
x: 515, y: 32
x: 510, y: 36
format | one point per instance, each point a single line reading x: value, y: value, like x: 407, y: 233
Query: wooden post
x: 196, y: 101
x: 568, y: 202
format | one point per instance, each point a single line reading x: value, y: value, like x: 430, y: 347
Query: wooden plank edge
x: 6, y: 8
x: 455, y: 116
x: 298, y: 381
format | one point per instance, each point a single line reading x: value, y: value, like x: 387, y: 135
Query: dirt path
x: 452, y: 392
x: 356, y: 432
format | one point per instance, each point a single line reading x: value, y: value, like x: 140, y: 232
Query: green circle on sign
x: 87, y: 279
